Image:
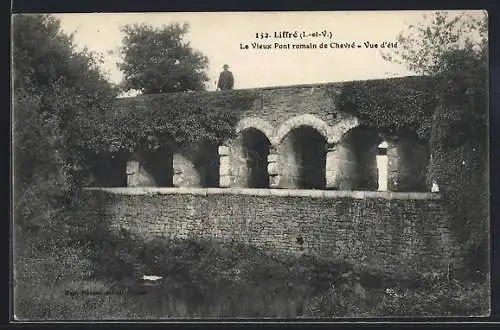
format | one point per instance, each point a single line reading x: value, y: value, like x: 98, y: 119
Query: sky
x: 221, y: 37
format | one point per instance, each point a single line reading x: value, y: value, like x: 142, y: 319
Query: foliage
x: 157, y: 60
x: 454, y: 51
x: 56, y: 88
x: 209, y: 280
x: 391, y: 105
x: 187, y: 119
x: 446, y: 105
x: 426, y: 295
x: 422, y: 47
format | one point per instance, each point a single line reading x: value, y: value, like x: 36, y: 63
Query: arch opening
x: 207, y: 166
x: 360, y: 162
x: 303, y: 159
x: 150, y: 168
x: 108, y: 170
x: 251, y: 153
x: 159, y: 164
x: 305, y: 120
x: 410, y: 157
x: 365, y: 160
x: 197, y: 166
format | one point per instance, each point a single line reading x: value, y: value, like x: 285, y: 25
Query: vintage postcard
x: 250, y: 165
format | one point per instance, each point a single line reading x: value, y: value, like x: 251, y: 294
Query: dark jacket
x: 226, y: 80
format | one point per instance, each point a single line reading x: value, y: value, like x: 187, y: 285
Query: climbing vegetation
x: 391, y: 105
x: 184, y: 119
x: 447, y: 106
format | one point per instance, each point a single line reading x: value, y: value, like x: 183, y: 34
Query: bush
x: 207, y: 279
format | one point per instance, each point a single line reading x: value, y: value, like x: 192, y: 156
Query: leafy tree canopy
x: 449, y: 56
x: 58, y: 92
x: 427, y: 47
x: 158, y: 60
x: 447, y: 105
x: 453, y: 49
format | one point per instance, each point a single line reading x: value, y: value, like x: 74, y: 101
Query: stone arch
x: 256, y: 123
x: 196, y: 166
x: 409, y: 158
x: 302, y: 158
x: 340, y: 129
x: 353, y: 160
x: 249, y: 158
x: 151, y: 169
x: 305, y: 120
x: 244, y: 158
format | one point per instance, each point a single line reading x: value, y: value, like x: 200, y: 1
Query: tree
x: 157, y: 60
x: 423, y: 48
x: 59, y: 95
x: 454, y: 51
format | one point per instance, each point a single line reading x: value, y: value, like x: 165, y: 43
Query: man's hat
x: 225, y: 66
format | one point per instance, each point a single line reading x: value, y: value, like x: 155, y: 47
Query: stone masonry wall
x: 279, y: 113
x: 395, y: 231
x: 278, y: 104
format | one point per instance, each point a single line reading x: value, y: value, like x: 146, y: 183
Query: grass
x: 207, y: 280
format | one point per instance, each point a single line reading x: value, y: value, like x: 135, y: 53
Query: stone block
x: 132, y: 167
x: 224, y: 167
x: 331, y: 161
x: 358, y: 194
x: 272, y: 158
x: 331, y: 179
x: 261, y: 192
x: 272, y: 168
x: 217, y: 191
x: 280, y: 192
x: 177, y: 180
x: 316, y: 193
x: 274, y: 181
x: 225, y: 181
x: 223, y: 150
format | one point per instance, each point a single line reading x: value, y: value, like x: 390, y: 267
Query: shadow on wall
x: 150, y: 169
x: 302, y: 159
x: 206, y: 163
x: 368, y: 160
x: 362, y: 159
x: 392, y: 229
x: 108, y: 170
x: 175, y: 167
x: 249, y: 153
x: 159, y: 165
x: 356, y: 160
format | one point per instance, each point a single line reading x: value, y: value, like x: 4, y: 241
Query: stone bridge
x: 294, y: 138
x: 299, y: 176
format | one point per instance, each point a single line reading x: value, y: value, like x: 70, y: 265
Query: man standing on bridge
x: 226, y: 80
